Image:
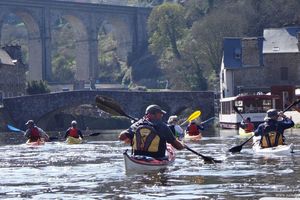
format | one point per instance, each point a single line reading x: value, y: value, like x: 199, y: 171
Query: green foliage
x: 37, y: 87
x: 166, y: 25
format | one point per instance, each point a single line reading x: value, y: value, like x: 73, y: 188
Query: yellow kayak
x: 72, y: 140
x: 243, y: 133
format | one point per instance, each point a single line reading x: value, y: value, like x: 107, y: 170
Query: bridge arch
x: 34, y: 41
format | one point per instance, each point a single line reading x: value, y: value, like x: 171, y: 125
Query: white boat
x: 253, y: 106
x: 135, y: 164
x: 278, y: 150
x: 188, y: 137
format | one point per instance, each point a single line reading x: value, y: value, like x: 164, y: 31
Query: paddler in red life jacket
x: 193, y: 129
x: 247, y: 125
x: 271, y: 131
x: 149, y: 136
x: 34, y: 133
x: 73, y: 131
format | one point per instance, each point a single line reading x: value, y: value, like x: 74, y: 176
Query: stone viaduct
x: 37, y: 107
x: 127, y: 24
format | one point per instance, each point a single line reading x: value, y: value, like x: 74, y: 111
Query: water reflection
x: 95, y: 170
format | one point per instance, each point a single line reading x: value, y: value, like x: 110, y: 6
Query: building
x: 270, y: 63
x: 12, y: 72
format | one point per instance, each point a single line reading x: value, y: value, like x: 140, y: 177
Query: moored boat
x: 278, y: 150
x: 244, y: 133
x: 72, y: 140
x: 35, y: 143
x: 134, y: 164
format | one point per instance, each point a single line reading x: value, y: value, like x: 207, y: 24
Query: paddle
x: 239, y: 147
x: 14, y: 129
x: 208, y: 120
x: 238, y: 112
x: 207, y: 159
x: 193, y: 116
x: 110, y: 106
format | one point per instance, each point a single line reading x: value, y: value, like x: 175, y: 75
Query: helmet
x: 271, y: 113
x: 29, y: 122
x: 172, y: 119
x: 73, y: 122
x: 152, y: 109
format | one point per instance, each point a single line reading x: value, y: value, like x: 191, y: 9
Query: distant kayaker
x: 247, y: 125
x: 73, y: 131
x: 34, y: 133
x: 194, y: 129
x: 149, y: 136
x: 271, y: 131
x: 175, y: 128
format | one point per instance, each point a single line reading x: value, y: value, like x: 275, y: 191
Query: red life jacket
x: 74, y: 133
x: 249, y: 127
x: 193, y: 130
x: 34, y: 134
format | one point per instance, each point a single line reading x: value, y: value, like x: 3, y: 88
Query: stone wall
x: 36, y: 107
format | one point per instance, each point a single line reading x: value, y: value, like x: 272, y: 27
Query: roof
x: 232, y: 48
x: 5, y: 58
x: 281, y: 40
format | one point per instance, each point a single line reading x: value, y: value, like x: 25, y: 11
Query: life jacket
x: 74, y: 133
x: 271, y: 138
x: 34, y: 134
x: 146, y: 141
x: 249, y: 127
x: 193, y: 130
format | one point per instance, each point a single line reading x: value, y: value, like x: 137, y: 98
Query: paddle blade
x: 94, y: 134
x: 108, y: 105
x: 236, y: 149
x: 13, y: 128
x: 194, y: 115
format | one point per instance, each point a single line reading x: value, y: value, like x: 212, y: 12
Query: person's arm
x: 170, y: 137
x: 259, y: 131
x: 126, y: 136
x: 27, y: 133
x: 43, y: 134
x: 80, y: 133
x: 200, y: 127
x: 67, y: 133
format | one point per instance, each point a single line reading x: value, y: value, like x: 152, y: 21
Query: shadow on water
x: 95, y: 170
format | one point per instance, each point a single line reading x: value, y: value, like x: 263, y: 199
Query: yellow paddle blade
x: 194, y: 115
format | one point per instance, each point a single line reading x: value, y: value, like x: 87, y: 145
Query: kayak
x: 243, y: 133
x: 278, y: 150
x: 72, y: 140
x: 188, y: 137
x: 35, y: 143
x: 139, y: 163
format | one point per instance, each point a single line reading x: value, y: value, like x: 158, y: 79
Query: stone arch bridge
x: 35, y: 107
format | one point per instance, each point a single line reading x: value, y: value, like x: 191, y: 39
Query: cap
x: 29, y: 122
x: 271, y: 113
x: 172, y: 119
x: 73, y: 122
x: 154, y: 109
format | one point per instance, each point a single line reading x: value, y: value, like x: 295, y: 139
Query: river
x: 95, y: 170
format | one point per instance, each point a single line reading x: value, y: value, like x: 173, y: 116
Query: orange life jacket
x: 34, y: 134
x: 193, y: 130
x: 74, y: 133
x: 249, y: 127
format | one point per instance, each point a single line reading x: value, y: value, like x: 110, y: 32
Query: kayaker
x: 194, y: 129
x: 34, y: 133
x: 73, y: 131
x: 149, y: 136
x: 175, y: 128
x: 271, y: 131
x: 247, y: 125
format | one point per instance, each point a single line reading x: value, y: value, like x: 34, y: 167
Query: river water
x: 95, y: 170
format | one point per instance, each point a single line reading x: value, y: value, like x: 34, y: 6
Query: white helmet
x: 73, y: 122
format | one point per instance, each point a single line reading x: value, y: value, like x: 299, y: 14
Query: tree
x: 166, y: 25
x: 37, y: 87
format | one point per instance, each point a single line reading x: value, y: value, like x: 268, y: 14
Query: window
x: 284, y: 73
